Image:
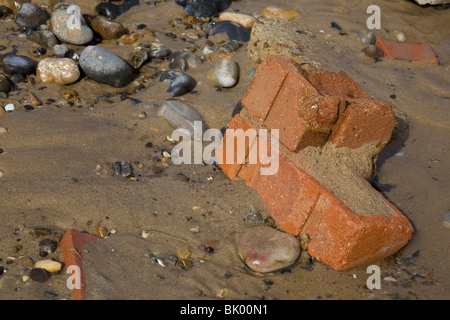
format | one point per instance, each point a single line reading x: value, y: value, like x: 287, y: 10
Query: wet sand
x: 52, y: 177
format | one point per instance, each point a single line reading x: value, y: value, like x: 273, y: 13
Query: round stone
x: 265, y: 249
x: 59, y: 70
x: 67, y: 33
x: 4, y: 84
x: 225, y: 73
x: 39, y: 275
x: 103, y: 66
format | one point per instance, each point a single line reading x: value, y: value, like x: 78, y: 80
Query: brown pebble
x: 108, y: 29
x: 35, y: 101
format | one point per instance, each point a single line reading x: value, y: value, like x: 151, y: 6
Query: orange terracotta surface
x: 413, y: 52
x: 72, y: 243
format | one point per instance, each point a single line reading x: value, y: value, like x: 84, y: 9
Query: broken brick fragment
x: 413, y: 52
x: 72, y: 244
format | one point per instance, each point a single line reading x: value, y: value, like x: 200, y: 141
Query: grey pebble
x: 225, y: 73
x: 60, y: 50
x: 180, y: 83
x: 31, y: 16
x: 103, y: 66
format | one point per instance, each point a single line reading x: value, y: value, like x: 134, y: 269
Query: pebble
x: 60, y: 50
x: 108, y: 29
x: 48, y: 245
x: 160, y: 52
x: 265, y: 249
x: 18, y: 64
x: 373, y: 51
x: 58, y: 70
x: 180, y: 83
x: 446, y: 220
x: 232, y: 29
x: 39, y: 275
x: 399, y: 35
x: 367, y: 37
x: 204, y: 8
x: 2, y: 113
x: 103, y: 66
x: 48, y: 265
x: 274, y: 12
x: 180, y: 115
x: 112, y: 11
x: 44, y: 38
x: 9, y: 107
x: 138, y: 59
x: 4, y: 84
x: 225, y: 73
x: 70, y: 35
x: 31, y: 16
x: 245, y: 20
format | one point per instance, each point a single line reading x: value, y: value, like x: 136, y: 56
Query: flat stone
x: 49, y: 265
x: 243, y: 19
x: 265, y: 249
x: 18, y: 64
x: 274, y: 12
x: 59, y: 70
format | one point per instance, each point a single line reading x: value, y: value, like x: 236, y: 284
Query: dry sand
x: 51, y: 155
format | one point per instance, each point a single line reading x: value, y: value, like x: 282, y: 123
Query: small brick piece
x: 413, y: 52
x: 72, y: 245
x: 364, y: 121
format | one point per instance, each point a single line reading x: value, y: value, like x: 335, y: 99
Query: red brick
x: 74, y: 239
x: 302, y: 115
x: 364, y: 121
x: 231, y: 167
x: 413, y: 52
x: 267, y: 81
x: 336, y: 84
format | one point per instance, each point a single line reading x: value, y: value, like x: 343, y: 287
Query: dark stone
x: 180, y: 82
x: 17, y: 64
x: 233, y: 30
x: 39, y: 275
x: 112, y: 11
x: 31, y: 16
x: 204, y: 8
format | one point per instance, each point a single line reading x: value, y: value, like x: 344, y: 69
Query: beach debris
x: 225, y: 73
x: 412, y: 52
x: 367, y: 36
x: 446, y: 220
x: 103, y: 66
x: 59, y: 70
x: 265, y: 249
x: 180, y: 115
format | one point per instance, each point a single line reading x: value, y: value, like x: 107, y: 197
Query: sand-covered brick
x: 412, y: 52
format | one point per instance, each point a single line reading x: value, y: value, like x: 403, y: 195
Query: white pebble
x: 9, y: 107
